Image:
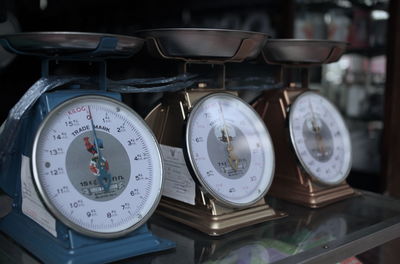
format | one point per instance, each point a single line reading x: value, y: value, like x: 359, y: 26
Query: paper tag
x: 178, y: 184
x: 32, y: 206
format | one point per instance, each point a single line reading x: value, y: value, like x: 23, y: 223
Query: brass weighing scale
x: 311, y: 141
x: 82, y: 170
x: 218, y: 153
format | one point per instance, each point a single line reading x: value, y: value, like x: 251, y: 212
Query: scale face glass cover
x: 97, y: 166
x: 320, y: 138
x: 230, y: 150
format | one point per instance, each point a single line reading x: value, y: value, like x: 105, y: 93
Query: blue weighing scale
x: 75, y: 198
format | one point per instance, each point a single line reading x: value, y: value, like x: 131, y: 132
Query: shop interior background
x: 356, y: 84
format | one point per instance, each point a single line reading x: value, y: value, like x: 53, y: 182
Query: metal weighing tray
x: 302, y: 52
x: 204, y: 45
x: 71, y: 44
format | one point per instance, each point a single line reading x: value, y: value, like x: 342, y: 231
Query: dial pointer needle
x: 104, y: 176
x: 232, y: 158
x: 317, y: 131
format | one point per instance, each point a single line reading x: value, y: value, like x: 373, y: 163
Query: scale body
x: 289, y: 174
x: 63, y: 244
x: 169, y: 119
x: 275, y: 105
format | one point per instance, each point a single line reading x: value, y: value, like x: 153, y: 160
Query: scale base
x: 213, y: 224
x: 49, y: 249
x: 311, y: 195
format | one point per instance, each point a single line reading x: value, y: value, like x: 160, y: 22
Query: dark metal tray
x: 303, y: 52
x: 203, y: 45
x: 67, y: 44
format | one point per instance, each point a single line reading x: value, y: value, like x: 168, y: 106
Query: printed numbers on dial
x: 97, y: 166
x: 230, y: 150
x: 320, y: 138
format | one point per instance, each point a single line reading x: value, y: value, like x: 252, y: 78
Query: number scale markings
x: 97, y: 225
x: 322, y: 142
x: 221, y: 154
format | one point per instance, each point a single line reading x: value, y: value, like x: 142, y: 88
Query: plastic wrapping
x: 263, y: 87
x: 171, y: 84
x: 172, y: 87
x: 253, y: 83
x: 181, y: 82
x: 10, y: 128
x: 156, y: 81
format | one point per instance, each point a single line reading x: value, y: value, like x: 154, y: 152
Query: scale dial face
x: 230, y: 150
x: 320, y: 138
x: 97, y: 166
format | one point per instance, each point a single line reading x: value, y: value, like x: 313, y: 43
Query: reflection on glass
x: 305, y: 230
x: 271, y: 250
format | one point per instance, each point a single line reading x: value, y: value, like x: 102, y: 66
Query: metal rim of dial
x: 267, y: 144
x: 345, y: 137
x: 151, y: 142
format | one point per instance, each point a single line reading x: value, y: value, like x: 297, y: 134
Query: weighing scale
x: 312, y: 143
x: 86, y: 171
x: 218, y: 153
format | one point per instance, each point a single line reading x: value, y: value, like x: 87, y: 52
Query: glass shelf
x: 325, y: 235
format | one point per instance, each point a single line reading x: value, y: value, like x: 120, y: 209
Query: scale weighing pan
x: 204, y: 44
x: 59, y: 44
x: 302, y: 52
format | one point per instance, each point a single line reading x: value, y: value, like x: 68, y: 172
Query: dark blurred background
x: 356, y: 84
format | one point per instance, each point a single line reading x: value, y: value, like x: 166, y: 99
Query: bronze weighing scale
x: 311, y: 141
x: 82, y: 171
x: 218, y: 153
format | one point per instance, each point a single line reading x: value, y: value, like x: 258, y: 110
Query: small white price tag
x: 32, y: 206
x: 178, y: 184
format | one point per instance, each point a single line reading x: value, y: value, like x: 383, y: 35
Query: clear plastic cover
x: 9, y: 129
